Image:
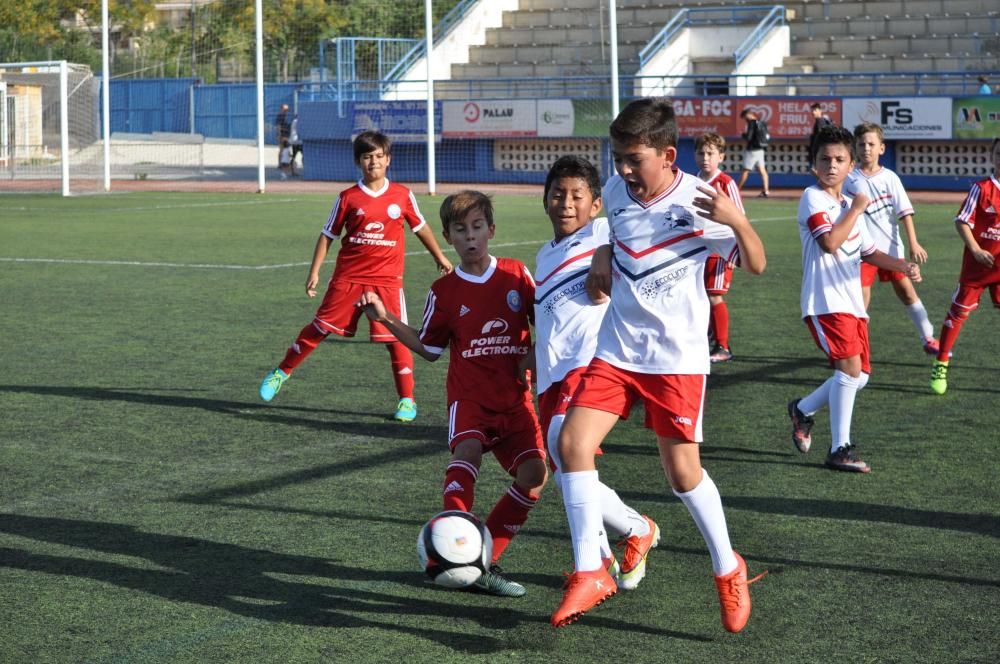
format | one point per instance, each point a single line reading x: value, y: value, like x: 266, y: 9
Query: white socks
x: 842, y: 394
x: 705, y: 505
x: 583, y: 511
x: 918, y: 315
x: 819, y: 398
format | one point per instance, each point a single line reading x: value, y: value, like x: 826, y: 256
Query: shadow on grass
x: 255, y: 583
x: 243, y: 410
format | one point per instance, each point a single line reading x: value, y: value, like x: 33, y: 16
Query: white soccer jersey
x: 889, y: 203
x: 831, y: 283
x: 658, y: 317
x: 566, y: 321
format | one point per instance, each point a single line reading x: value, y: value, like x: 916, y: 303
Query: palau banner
x: 976, y: 117
x: 902, y: 117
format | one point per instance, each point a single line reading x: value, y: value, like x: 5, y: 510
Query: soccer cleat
x: 846, y: 458
x: 493, y: 583
x: 734, y: 595
x: 272, y: 383
x: 583, y: 591
x: 612, y: 566
x: 720, y: 354
x: 802, y: 425
x: 763, y: 194
x: 931, y: 346
x: 633, y: 567
x: 406, y: 410
x: 939, y: 377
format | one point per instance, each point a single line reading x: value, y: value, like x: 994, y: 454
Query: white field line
x: 146, y: 208
x: 276, y: 266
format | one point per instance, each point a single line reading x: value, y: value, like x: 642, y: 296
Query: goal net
x: 49, y: 128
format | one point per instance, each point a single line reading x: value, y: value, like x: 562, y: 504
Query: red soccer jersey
x: 370, y: 227
x: 486, y: 321
x: 981, y: 213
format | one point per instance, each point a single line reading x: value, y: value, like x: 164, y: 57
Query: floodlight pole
x: 64, y: 124
x: 429, y: 38
x: 106, y: 95
x: 613, y: 29
x: 258, y: 10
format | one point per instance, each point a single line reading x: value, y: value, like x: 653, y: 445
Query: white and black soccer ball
x: 455, y: 548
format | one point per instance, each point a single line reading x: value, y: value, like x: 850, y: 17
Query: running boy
x: 835, y: 241
x: 888, y: 210
x: 566, y: 324
x: 369, y: 219
x: 483, y: 311
x: 978, y: 224
x: 709, y: 151
x: 652, y: 346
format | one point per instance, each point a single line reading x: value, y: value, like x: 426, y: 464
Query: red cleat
x: 584, y: 591
x: 734, y: 595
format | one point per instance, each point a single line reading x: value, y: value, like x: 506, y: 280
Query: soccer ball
x: 455, y: 548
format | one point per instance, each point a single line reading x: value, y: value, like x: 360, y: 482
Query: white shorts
x: 751, y: 158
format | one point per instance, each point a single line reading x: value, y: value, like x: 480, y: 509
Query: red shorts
x: 869, y: 272
x: 339, y: 313
x: 967, y: 297
x: 556, y: 397
x: 674, y: 402
x: 718, y: 275
x: 513, y: 436
x: 841, y: 336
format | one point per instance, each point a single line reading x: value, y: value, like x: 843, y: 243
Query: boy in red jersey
x: 369, y: 219
x: 709, y: 151
x: 483, y: 311
x: 835, y: 242
x: 652, y: 346
x: 978, y: 224
x: 566, y: 325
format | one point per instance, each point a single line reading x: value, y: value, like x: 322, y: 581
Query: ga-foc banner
x: 902, y: 117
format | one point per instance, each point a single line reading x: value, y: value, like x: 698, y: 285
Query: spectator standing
x: 295, y: 141
x: 283, y: 129
x: 753, y: 157
x: 820, y: 120
x: 984, y: 86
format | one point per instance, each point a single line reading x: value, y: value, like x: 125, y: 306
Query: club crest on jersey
x: 394, y: 211
x: 514, y: 300
x: 677, y: 216
x: 374, y: 227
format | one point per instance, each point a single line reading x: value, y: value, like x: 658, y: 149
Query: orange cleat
x: 584, y: 591
x: 734, y: 595
x: 633, y: 566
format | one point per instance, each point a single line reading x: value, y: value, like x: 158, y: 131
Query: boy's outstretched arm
x: 981, y: 255
x: 426, y: 236
x: 319, y: 255
x: 598, y: 283
x: 884, y: 261
x: 917, y: 253
x: 719, y: 208
x: 409, y: 337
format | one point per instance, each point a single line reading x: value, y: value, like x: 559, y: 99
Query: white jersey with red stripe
x: 831, y: 283
x: 370, y: 225
x: 889, y: 203
x: 566, y: 321
x: 486, y: 320
x: 659, y: 308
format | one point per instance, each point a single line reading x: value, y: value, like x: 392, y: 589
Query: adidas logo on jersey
x: 990, y: 210
x: 453, y: 486
x: 360, y: 212
x: 463, y: 310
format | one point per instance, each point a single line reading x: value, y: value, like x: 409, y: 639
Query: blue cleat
x: 272, y: 383
x: 406, y: 410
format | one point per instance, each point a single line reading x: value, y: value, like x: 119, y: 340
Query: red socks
x: 719, y: 323
x: 309, y: 337
x: 507, y: 517
x: 949, y: 331
x: 402, y: 369
x: 460, y: 486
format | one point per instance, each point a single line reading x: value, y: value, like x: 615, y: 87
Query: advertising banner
x: 489, y: 119
x: 401, y: 121
x: 902, y: 117
x: 786, y: 117
x: 555, y: 117
x: 699, y: 115
x: 976, y: 117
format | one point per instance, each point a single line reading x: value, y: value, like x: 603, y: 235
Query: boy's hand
x: 444, y: 266
x: 917, y: 254
x: 983, y: 257
x: 717, y: 206
x: 913, y: 272
x: 372, y: 304
x: 311, y: 285
x: 860, y: 203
